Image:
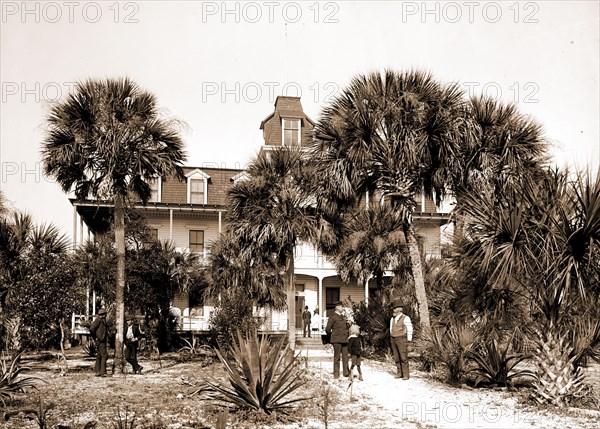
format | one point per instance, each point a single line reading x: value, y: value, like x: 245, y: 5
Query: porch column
x: 171, y: 225
x: 80, y: 230
x: 220, y: 213
x: 320, y: 298
x: 367, y: 292
x: 74, y: 242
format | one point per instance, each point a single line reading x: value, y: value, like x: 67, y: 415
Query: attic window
x: 197, y: 186
x: 197, y: 191
x: 291, y: 132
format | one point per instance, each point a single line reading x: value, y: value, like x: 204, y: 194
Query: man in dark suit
x: 306, y: 316
x: 337, y: 328
x: 100, y: 337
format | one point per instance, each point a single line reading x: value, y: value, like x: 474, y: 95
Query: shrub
x: 233, y: 313
x: 374, y: 322
x: 259, y: 375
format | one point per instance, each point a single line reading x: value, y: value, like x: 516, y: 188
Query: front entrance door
x: 299, y: 310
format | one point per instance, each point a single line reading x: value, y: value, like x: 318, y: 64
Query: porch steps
x: 310, y: 343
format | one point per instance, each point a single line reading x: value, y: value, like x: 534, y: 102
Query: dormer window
x: 197, y: 192
x: 291, y: 132
x: 155, y: 189
x: 197, y: 185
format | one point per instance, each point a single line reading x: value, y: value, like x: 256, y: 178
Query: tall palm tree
x: 102, y: 142
x: 396, y: 133
x: 270, y: 213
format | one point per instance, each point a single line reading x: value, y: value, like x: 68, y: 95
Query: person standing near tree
x: 306, y: 322
x: 337, y: 328
x: 401, y: 331
x: 133, y: 334
x: 99, y: 334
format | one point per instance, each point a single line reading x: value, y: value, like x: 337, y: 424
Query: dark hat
x: 397, y: 303
x: 102, y: 312
x: 339, y: 303
x: 130, y: 317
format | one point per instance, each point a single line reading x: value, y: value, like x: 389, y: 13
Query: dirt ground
x: 162, y: 397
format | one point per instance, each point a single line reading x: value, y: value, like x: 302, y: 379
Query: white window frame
x: 299, y: 122
x: 197, y: 174
x: 158, y: 191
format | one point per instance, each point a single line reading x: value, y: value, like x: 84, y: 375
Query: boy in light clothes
x: 355, y: 349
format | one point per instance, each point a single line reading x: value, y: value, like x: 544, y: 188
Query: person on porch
x: 306, y: 322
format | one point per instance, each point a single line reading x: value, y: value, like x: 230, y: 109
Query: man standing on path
x: 100, y: 337
x: 306, y: 322
x: 337, y: 327
x: 401, y: 331
x: 133, y: 334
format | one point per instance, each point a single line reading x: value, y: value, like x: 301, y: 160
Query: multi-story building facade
x: 191, y: 214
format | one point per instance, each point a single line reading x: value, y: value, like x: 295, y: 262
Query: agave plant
x: 259, y: 375
x: 11, y: 380
x: 495, y: 365
x: 451, y: 345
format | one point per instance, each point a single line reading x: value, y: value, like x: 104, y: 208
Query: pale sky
x: 219, y: 66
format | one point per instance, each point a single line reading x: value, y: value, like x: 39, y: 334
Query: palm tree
x: 375, y: 244
x: 103, y: 141
x: 270, y: 213
x: 394, y: 133
x: 498, y: 147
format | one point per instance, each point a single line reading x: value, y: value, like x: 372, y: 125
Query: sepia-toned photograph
x: 290, y: 214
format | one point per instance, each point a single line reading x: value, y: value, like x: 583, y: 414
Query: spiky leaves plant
x: 260, y: 377
x: 495, y: 365
x: 451, y: 345
x: 557, y: 382
x: 11, y: 379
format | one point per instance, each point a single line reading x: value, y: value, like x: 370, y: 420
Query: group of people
x: 133, y: 334
x: 344, y: 336
x: 345, y: 339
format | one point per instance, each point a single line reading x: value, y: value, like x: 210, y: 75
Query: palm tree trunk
x: 417, y: 271
x: 291, y: 300
x: 120, y: 288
